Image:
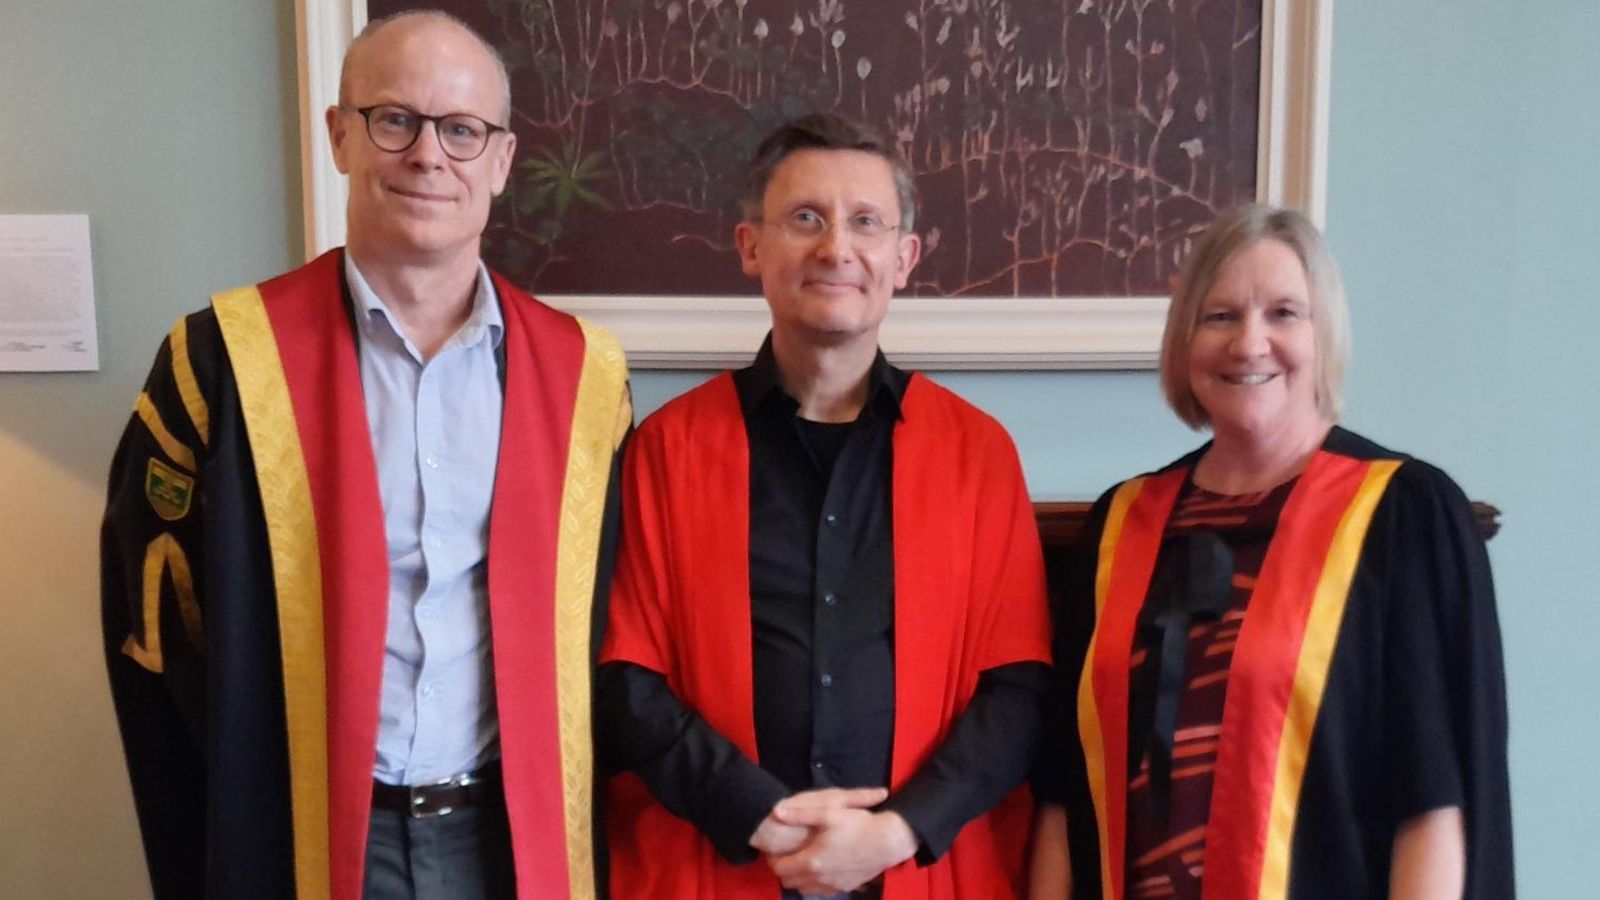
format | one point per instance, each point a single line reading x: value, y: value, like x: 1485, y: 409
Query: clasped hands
x: 829, y: 841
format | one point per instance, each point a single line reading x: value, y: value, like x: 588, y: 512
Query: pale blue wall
x: 1463, y: 208
x: 171, y: 125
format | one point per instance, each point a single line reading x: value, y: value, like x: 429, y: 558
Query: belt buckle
x: 421, y: 794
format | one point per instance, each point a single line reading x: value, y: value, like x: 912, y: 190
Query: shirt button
x: 830, y: 599
x: 816, y: 764
x: 826, y: 680
x: 831, y: 519
x: 433, y: 462
x: 428, y: 690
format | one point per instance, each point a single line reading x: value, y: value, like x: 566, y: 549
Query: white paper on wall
x: 46, y: 295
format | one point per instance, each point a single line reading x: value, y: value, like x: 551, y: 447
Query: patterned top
x: 1166, y: 856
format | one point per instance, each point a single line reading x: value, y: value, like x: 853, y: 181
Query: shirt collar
x: 760, y: 385
x: 484, y: 317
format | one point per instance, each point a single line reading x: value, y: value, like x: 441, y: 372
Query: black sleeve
x: 152, y: 625
x: 1445, y: 703
x: 696, y: 773
x: 605, y: 564
x: 606, y: 557
x: 1061, y: 776
x: 988, y: 752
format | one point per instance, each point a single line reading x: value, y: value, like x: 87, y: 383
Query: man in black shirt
x: 828, y: 628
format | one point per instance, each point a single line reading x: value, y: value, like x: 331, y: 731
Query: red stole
x: 1279, y: 672
x: 291, y: 340
x: 969, y: 595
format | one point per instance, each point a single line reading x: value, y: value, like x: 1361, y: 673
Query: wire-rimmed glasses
x: 805, y: 225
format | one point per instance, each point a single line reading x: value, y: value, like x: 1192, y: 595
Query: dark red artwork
x: 1061, y: 147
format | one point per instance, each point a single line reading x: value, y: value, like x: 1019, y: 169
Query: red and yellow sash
x: 295, y: 362
x: 1271, y: 710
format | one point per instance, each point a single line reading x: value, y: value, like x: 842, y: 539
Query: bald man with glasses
x: 327, y: 683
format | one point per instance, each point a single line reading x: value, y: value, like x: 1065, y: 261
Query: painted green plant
x: 548, y: 179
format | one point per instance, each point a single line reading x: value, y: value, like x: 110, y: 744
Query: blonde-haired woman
x: 1279, y: 655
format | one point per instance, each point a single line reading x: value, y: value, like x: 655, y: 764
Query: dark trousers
x: 465, y: 855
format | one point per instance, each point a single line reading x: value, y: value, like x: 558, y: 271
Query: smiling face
x: 1252, y: 354
x: 832, y: 289
x: 420, y: 206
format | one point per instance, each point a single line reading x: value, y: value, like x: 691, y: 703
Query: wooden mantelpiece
x: 1061, y: 520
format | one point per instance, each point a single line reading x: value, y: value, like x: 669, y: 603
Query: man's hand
x: 776, y: 837
x: 795, y: 808
x: 849, y: 848
x: 773, y: 838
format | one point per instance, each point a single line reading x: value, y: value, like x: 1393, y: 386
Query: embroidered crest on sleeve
x: 168, y: 490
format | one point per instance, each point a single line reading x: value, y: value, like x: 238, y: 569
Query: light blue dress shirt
x: 435, y: 430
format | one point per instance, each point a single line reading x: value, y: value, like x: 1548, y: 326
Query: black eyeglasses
x: 462, y: 136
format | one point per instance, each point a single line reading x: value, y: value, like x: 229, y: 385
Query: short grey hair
x: 1232, y: 232
x: 826, y: 131
x: 436, y: 15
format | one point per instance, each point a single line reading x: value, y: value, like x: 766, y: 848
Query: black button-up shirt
x: 822, y: 645
x: 821, y: 582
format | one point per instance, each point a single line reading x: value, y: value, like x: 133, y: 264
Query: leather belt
x: 426, y: 801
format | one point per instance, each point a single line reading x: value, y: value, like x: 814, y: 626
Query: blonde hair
x: 1232, y: 232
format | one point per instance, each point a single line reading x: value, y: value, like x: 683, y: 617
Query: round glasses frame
x: 462, y: 136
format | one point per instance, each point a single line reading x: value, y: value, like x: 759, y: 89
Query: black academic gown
x: 244, y: 592
x: 1367, y: 688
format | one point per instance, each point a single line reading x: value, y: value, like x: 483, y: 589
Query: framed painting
x: 1067, y: 152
